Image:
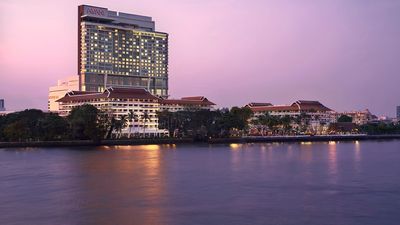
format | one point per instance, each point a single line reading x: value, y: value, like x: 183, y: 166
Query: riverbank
x: 268, y: 139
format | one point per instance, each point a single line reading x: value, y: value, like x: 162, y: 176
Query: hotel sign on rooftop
x: 95, y: 11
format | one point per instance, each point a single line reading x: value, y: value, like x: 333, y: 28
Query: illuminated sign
x: 94, y: 11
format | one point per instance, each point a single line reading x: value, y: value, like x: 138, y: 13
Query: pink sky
x: 344, y: 53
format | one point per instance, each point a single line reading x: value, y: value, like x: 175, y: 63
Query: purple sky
x: 344, y: 53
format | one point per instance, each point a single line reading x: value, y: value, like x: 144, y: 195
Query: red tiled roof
x: 197, y: 100
x: 138, y: 93
x: 274, y: 108
x: 311, y: 105
x: 300, y: 105
x: 254, y: 104
x: 129, y: 93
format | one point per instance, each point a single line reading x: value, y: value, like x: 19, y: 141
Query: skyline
x: 294, y: 50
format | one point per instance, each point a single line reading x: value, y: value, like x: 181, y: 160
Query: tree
x: 120, y: 124
x: 84, y: 122
x: 145, y: 117
x: 345, y: 119
x: 32, y: 124
x: 132, y: 117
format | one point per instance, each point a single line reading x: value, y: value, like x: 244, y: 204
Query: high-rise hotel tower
x: 120, y: 50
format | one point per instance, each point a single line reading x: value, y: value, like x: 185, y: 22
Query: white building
x: 313, y: 113
x: 138, y: 105
x: 56, y: 92
x: 119, y: 102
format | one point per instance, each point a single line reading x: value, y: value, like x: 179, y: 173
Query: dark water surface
x: 297, y: 183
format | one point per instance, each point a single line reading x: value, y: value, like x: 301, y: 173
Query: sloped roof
x: 305, y: 105
x: 254, y: 104
x: 130, y: 93
x: 300, y: 105
x: 274, y: 108
x: 196, y: 100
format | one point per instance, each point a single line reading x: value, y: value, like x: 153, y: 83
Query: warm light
x: 235, y: 146
x: 150, y: 147
x: 332, y: 143
x: 306, y: 143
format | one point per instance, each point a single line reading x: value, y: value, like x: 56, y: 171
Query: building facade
x: 398, y: 113
x: 58, y: 91
x: 2, y: 106
x: 186, y: 104
x: 313, y: 109
x: 120, y: 50
x: 137, y: 103
x: 312, y: 115
x: 358, y: 117
x: 118, y: 102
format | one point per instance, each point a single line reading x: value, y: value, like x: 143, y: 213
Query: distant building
x: 398, y: 113
x: 359, y: 117
x: 2, y: 106
x: 314, y: 109
x: 118, y: 49
x: 56, y: 92
x: 186, y: 104
x: 311, y: 115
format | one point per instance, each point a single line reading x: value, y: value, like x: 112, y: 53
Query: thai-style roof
x: 196, y: 100
x: 109, y: 93
x: 298, y: 106
x: 255, y: 104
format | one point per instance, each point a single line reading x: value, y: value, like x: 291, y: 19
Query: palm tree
x: 132, y: 117
x: 145, y: 117
x: 120, y: 124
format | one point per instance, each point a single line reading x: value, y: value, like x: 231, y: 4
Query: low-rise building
x: 310, y: 115
x: 56, y: 92
x: 120, y: 102
x: 314, y: 109
x: 137, y: 103
x: 359, y: 117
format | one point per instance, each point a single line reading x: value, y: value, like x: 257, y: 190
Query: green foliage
x: 32, y: 125
x: 202, y: 124
x: 380, y: 128
x: 345, y: 119
x: 84, y: 123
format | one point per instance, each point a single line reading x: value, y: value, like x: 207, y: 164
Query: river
x: 320, y: 183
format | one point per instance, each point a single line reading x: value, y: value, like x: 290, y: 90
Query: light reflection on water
x: 271, y: 183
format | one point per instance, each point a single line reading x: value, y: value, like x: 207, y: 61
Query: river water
x: 279, y: 184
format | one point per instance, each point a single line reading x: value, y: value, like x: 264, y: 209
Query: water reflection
x: 235, y: 146
x: 136, y: 184
x: 332, y: 161
x: 238, y: 184
x: 357, y: 156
